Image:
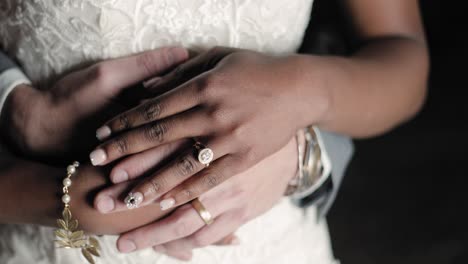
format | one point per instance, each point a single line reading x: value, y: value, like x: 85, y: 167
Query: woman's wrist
x: 32, y: 191
x: 313, y: 99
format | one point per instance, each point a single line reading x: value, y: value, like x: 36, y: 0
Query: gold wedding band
x: 205, y: 155
x: 202, y: 212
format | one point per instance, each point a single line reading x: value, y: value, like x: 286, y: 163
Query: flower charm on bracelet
x: 68, y: 235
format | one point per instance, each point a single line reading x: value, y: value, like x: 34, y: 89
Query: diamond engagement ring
x: 205, y: 155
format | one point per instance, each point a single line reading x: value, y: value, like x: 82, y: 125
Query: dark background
x: 404, y: 197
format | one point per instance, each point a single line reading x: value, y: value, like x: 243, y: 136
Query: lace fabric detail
x: 63, y: 34
x: 51, y: 37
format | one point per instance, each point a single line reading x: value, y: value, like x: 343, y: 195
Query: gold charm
x: 68, y: 236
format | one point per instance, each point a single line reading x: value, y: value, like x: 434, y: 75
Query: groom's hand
x: 55, y: 122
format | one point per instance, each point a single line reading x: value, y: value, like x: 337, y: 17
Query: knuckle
x: 248, y: 156
x: 154, y: 185
x: 200, y: 86
x: 186, y: 165
x: 238, y: 133
x: 207, y: 87
x: 200, y: 240
x: 99, y: 74
x: 242, y: 215
x: 151, y: 110
x: 120, y: 144
x: 156, y: 132
x: 182, y: 227
x: 218, y: 116
x: 123, y: 123
x: 211, y: 179
x: 186, y: 194
x: 213, y: 80
x: 148, y: 62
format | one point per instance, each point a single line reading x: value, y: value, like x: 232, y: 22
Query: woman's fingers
x: 175, y: 101
x: 185, y: 125
x: 222, y: 227
x: 205, y: 180
x: 110, y: 199
x: 177, y: 171
x: 182, y: 223
x: 139, y: 164
x: 183, y: 251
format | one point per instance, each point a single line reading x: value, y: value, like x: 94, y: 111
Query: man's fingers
x: 230, y: 239
x: 220, y: 233
x: 114, y: 75
x: 180, y: 74
x: 109, y: 78
x: 182, y: 223
x: 222, y: 229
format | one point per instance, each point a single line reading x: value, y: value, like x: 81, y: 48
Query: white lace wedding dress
x: 50, y: 37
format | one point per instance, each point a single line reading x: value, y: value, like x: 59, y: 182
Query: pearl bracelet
x: 68, y: 235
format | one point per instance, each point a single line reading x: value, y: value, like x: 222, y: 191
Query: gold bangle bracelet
x: 68, y: 234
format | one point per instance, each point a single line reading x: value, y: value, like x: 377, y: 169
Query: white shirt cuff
x: 9, y: 79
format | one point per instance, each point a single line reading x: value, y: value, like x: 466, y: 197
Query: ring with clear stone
x: 205, y: 155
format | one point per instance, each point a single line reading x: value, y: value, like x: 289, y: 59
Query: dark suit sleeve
x: 5, y: 62
x: 340, y: 150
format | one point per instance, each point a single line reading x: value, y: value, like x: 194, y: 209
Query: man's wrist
x: 17, y: 117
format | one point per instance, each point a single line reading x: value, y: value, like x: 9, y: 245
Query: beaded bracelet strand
x: 68, y: 235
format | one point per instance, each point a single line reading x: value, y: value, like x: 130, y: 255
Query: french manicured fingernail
x: 120, y: 176
x: 133, y: 200
x: 127, y: 246
x: 103, y: 132
x: 105, y: 204
x: 97, y: 157
x: 167, y: 204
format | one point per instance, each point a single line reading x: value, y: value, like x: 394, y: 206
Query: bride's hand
x: 51, y: 122
x: 243, y: 106
x: 232, y: 204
